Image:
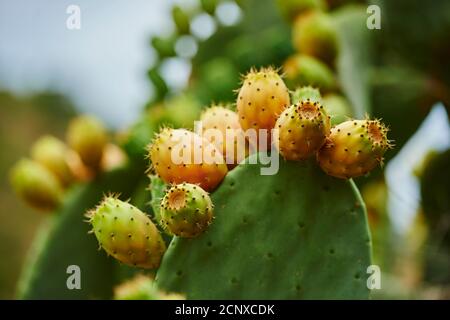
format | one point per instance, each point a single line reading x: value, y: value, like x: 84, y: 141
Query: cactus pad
x: 299, y: 234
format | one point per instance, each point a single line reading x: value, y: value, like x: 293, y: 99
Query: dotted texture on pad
x: 299, y: 234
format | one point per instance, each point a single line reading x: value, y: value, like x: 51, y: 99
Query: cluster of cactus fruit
x: 298, y: 131
x: 54, y: 165
x: 189, y: 166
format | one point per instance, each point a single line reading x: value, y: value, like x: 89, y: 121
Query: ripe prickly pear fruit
x: 262, y: 98
x: 186, y: 210
x: 126, y: 233
x: 338, y: 108
x: 221, y: 127
x: 143, y: 288
x: 315, y: 34
x: 304, y: 70
x: 354, y: 148
x: 87, y: 136
x: 179, y: 155
x: 302, y: 130
x: 53, y: 154
x: 36, y: 185
x: 306, y: 93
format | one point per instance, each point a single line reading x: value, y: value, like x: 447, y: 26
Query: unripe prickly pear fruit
x: 221, y: 127
x: 143, y: 288
x: 304, y: 70
x: 338, y: 108
x: 126, y: 233
x: 262, y: 98
x: 186, y: 210
x: 305, y: 93
x: 53, y: 154
x: 179, y: 155
x: 36, y: 185
x: 88, y: 137
x: 292, y: 8
x: 353, y: 148
x: 314, y: 34
x: 302, y: 130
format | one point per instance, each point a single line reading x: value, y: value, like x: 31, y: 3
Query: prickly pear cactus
x: 299, y: 234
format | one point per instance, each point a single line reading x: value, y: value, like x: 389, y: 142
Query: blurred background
x: 126, y: 60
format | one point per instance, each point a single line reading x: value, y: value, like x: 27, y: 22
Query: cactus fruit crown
x: 208, y: 172
x: 186, y: 210
x: 302, y: 130
x: 354, y: 148
x: 126, y: 233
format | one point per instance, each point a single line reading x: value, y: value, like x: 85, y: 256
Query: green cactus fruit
x: 179, y: 155
x: 142, y: 288
x: 354, y: 148
x: 304, y: 70
x: 181, y: 20
x: 209, y: 6
x: 219, y: 122
x: 305, y: 93
x: 301, y: 130
x: 126, y: 233
x: 186, y: 210
x: 88, y: 137
x: 262, y: 97
x: 338, y: 108
x: 314, y: 33
x: 298, y: 234
x: 53, y: 154
x: 36, y: 185
x: 292, y: 8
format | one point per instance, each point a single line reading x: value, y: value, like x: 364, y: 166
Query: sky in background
x: 101, y: 67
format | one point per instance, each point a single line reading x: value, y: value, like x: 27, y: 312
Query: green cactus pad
x: 65, y: 241
x: 299, y: 234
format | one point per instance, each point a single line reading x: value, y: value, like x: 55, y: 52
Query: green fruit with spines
x: 88, y: 137
x: 36, y: 185
x: 304, y: 70
x: 338, y: 108
x: 292, y: 8
x: 301, y: 130
x: 53, y: 154
x: 306, y: 93
x: 181, y: 20
x: 126, y: 233
x: 354, y: 148
x: 186, y: 210
x: 314, y: 33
